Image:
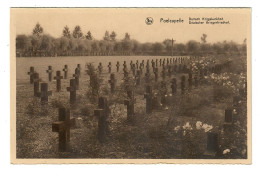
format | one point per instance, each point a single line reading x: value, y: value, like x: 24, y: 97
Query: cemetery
x: 165, y: 107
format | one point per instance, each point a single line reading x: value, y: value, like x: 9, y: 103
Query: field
x: 177, y: 128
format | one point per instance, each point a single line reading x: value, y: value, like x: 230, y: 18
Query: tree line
x: 75, y: 43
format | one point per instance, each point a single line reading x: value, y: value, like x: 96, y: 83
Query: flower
x: 177, y: 128
x: 226, y: 151
x: 207, y: 127
x: 198, y: 125
x: 187, y: 126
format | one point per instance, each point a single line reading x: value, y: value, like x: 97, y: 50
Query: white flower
x: 226, y: 151
x: 177, y: 128
x: 187, y: 126
x: 198, y: 125
x: 207, y: 127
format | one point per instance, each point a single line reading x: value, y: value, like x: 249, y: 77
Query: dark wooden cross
x: 156, y: 74
x: 129, y: 102
x: 149, y: 99
x: 163, y: 92
x: 65, y: 69
x: 160, y: 62
x: 174, y: 86
x: 138, y: 77
x: 100, y: 68
x: 117, y: 66
x: 183, y: 84
x: 228, y: 120
x: 156, y: 62
x: 76, y: 76
x: 212, y: 145
x: 79, y: 69
x: 112, y: 83
x: 49, y: 71
x: 36, y: 83
x: 147, y: 77
x: 44, y: 94
x: 133, y: 69
x: 72, y: 89
x: 102, y: 113
x: 63, y: 126
x: 58, y: 78
x: 109, y: 67
x: 31, y: 72
x: 125, y: 73
x: 167, y: 61
x: 137, y: 64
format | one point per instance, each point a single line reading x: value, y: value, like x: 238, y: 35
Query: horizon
x: 132, y: 21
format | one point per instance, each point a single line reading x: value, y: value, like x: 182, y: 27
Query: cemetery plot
x: 160, y: 107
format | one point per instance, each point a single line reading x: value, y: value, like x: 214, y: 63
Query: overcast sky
x: 133, y: 21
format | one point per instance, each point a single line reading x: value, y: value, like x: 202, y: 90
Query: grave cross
x: 79, y: 69
x: 76, y: 76
x: 228, y: 120
x: 63, y: 128
x: 130, y: 105
x: 163, y: 92
x: 102, y: 113
x: 138, y: 77
x: 174, y: 86
x: 72, y: 89
x: 65, y: 69
x: 137, y: 64
x: 112, y: 83
x: 133, y: 69
x: 58, y: 77
x: 109, y: 67
x: 100, y: 68
x: 36, y: 83
x: 156, y: 74
x: 49, y: 71
x: 160, y: 62
x: 163, y: 73
x: 44, y: 93
x: 169, y: 71
x: 31, y: 72
x: 149, y: 98
x: 156, y: 62
x: 212, y: 144
x: 117, y: 66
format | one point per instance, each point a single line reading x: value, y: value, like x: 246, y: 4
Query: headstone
x: 58, y: 77
x: 44, y: 94
x: 49, y: 71
x: 31, y: 72
x: 76, y: 76
x: 102, y: 113
x: 72, y: 89
x: 112, y: 83
x: 65, y: 69
x: 63, y: 126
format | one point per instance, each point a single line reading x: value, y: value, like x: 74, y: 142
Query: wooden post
x: 65, y: 69
x: 76, y: 76
x: 49, y: 71
x: 72, y: 89
x: 62, y: 126
x: 102, y: 113
x: 36, y: 83
x: 31, y: 72
x: 44, y: 93
x: 58, y: 77
x: 112, y: 83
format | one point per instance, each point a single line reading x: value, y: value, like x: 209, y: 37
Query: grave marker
x: 130, y: 105
x: 79, y: 69
x: 117, y: 66
x: 44, y: 93
x: 100, y: 68
x: 112, y: 83
x: 182, y: 84
x: 76, y: 76
x: 149, y: 98
x: 63, y: 127
x: 49, y: 71
x: 31, y: 72
x: 109, y: 67
x: 212, y: 144
x: 72, y: 89
x: 174, y: 86
x: 65, y: 69
x: 58, y: 77
x: 36, y: 83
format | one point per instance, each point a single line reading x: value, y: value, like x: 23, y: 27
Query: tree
x: 157, y: 48
x: 203, y: 38
x: 192, y: 46
x: 106, y: 37
x: 89, y: 36
x: 127, y: 36
x: 23, y: 43
x: 77, y: 32
x: 47, y: 43
x: 38, y: 30
x: 66, y: 32
x: 113, y: 36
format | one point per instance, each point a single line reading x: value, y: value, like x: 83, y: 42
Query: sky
x: 132, y: 20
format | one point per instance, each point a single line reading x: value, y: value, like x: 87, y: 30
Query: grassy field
x: 177, y: 130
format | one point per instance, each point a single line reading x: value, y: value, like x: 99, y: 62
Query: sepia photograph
x: 130, y: 85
